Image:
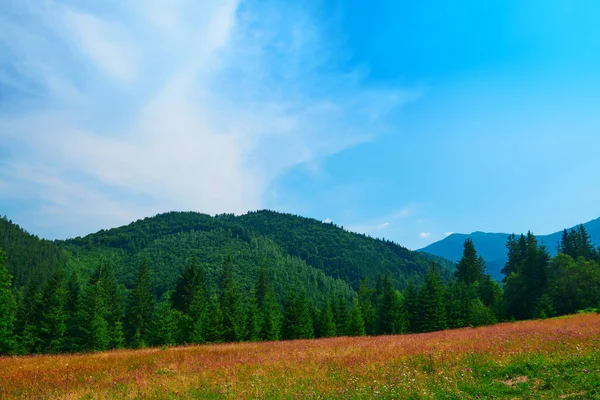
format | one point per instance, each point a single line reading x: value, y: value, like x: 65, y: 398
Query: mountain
x: 322, y: 258
x: 492, y: 246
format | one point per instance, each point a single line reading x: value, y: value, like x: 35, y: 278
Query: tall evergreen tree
x: 297, y: 319
x: 214, y: 321
x: 140, y: 308
x: 431, y: 301
x: 197, y: 316
x: 164, y: 323
x: 28, y: 318
x: 366, y: 297
x: 534, y: 273
x: 186, y: 286
x: 340, y: 315
x: 411, y: 307
x: 8, y: 309
x: 53, y: 324
x: 327, y: 323
x: 272, y: 318
x: 253, y: 318
x: 93, y: 314
x: 72, y: 340
x: 356, y: 324
x: 388, y: 308
x: 471, y: 267
x: 234, y: 321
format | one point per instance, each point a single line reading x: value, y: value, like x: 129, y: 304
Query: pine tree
x: 471, y: 267
x: 458, y: 299
x: 356, y: 324
x: 8, y: 309
x: 340, y: 315
x: 72, y: 340
x: 411, y: 307
x: 140, y: 309
x: 28, y: 318
x: 271, y: 320
x: 197, y: 316
x: 234, y: 322
x: 327, y: 322
x: 164, y: 323
x: 253, y: 319
x: 53, y: 324
x: 186, y: 285
x: 517, y: 251
x: 214, y: 321
x: 388, y: 308
x: 113, y: 298
x: 297, y: 320
x: 534, y: 274
x: 366, y: 295
x: 92, y: 316
x: 431, y: 301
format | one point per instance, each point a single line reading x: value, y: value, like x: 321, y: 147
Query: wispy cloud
x: 448, y: 233
x: 148, y: 106
x: 425, y: 235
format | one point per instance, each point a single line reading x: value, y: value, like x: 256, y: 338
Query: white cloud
x: 327, y: 221
x: 106, y: 43
x: 425, y: 235
x: 448, y: 233
x: 200, y: 105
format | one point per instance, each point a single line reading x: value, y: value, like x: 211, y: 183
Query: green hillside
x: 322, y: 258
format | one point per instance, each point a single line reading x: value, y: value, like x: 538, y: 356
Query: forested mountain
x: 29, y: 258
x: 492, y: 246
x: 181, y: 278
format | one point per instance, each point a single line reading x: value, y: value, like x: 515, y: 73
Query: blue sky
x: 403, y: 120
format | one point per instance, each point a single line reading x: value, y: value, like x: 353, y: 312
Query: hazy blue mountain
x: 492, y: 246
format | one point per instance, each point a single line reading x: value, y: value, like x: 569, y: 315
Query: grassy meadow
x: 547, y: 359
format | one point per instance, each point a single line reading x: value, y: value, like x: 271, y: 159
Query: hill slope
x: 492, y: 246
x: 297, y: 252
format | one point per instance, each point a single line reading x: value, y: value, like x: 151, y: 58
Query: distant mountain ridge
x: 492, y: 246
x: 323, y: 258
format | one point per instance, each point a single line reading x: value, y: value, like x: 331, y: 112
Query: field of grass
x: 549, y: 359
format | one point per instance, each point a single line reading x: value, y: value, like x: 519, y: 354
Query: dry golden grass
x: 463, y: 363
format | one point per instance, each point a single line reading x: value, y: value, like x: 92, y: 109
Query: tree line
x: 65, y: 315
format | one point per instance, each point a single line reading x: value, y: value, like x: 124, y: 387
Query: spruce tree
x: 388, y: 308
x: 186, y: 285
x: 253, y: 318
x: 534, y: 274
x: 197, y: 316
x: 214, y: 321
x: 53, y: 324
x: 297, y: 319
x: 8, y: 308
x: 471, y: 267
x: 431, y: 301
x: 29, y: 315
x: 113, y: 298
x: 411, y: 307
x: 140, y: 309
x: 366, y: 296
x: 164, y: 323
x: 234, y: 321
x: 92, y: 316
x: 340, y: 315
x: 272, y: 318
x: 356, y: 324
x: 327, y: 322
x: 72, y: 340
